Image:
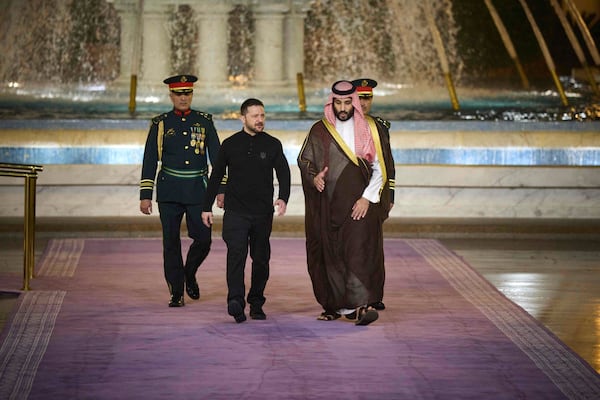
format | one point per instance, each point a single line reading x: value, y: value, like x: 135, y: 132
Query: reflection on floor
x: 556, y: 280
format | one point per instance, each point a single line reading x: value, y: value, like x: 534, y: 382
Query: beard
x: 343, y: 115
x: 257, y: 128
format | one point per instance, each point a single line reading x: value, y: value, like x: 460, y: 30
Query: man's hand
x: 359, y: 210
x: 146, y: 206
x: 319, y: 180
x: 280, y: 207
x: 207, y: 218
x: 221, y: 200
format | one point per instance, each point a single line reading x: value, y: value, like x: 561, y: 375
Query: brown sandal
x: 366, y: 315
x: 325, y: 316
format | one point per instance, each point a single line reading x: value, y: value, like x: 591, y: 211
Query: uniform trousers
x: 171, y: 215
x: 240, y: 232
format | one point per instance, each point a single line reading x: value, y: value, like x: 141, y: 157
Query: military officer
x: 364, y: 88
x: 180, y: 141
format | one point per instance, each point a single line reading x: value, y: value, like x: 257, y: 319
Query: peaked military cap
x: 181, y: 83
x: 364, y: 86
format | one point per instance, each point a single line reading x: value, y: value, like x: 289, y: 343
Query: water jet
x: 508, y: 152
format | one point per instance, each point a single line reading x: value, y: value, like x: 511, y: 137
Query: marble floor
x: 555, y: 280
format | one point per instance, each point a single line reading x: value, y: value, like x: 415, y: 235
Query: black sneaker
x: 176, y: 300
x: 256, y: 312
x: 235, y: 309
x: 192, y: 289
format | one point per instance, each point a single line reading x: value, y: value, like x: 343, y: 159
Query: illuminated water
x: 503, y: 106
x: 401, y: 56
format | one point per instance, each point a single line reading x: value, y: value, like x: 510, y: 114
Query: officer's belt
x: 185, y: 173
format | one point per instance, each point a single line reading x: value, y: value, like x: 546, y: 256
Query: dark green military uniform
x: 364, y: 88
x: 385, y: 127
x: 180, y: 142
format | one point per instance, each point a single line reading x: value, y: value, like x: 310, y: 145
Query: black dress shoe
x: 236, y: 310
x: 351, y: 316
x: 378, y: 305
x: 192, y: 289
x: 257, y: 313
x: 176, y: 300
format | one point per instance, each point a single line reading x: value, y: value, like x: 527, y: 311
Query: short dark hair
x: 249, y: 103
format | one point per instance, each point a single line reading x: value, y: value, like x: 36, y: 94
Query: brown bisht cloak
x: 345, y: 257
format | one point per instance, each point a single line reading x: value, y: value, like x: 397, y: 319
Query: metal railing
x: 30, y: 173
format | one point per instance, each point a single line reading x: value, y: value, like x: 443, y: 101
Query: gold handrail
x: 30, y: 173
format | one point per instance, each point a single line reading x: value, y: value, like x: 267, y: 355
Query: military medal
x: 198, y: 137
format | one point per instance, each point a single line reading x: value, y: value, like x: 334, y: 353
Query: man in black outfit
x: 248, y: 158
x: 179, y: 140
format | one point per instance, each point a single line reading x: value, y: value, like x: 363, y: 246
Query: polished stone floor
x: 556, y: 280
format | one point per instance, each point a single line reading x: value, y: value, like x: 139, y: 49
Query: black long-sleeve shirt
x: 249, y: 161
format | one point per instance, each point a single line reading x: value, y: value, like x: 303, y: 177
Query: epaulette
x: 205, y: 115
x: 159, y: 118
x: 384, y: 122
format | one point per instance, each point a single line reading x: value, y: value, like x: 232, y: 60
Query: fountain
x: 74, y: 59
x: 470, y: 139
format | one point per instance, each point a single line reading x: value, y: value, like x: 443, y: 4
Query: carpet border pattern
x: 568, y: 372
x: 26, y: 341
x: 61, y: 257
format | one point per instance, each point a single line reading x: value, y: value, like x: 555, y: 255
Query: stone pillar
x: 155, y: 44
x: 128, y: 13
x: 294, y: 40
x: 268, y: 41
x: 211, y: 59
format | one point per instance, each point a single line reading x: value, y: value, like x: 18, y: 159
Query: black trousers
x: 171, y: 215
x: 241, y: 232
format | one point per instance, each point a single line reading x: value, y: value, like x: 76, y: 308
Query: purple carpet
x: 97, y: 326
